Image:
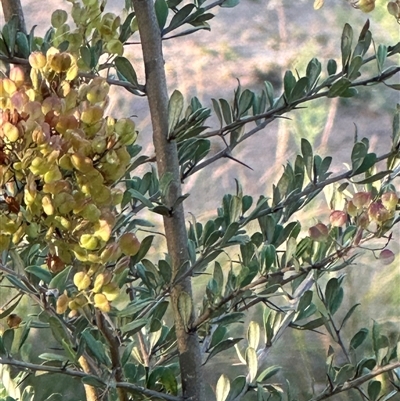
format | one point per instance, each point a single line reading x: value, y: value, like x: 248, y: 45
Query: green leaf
x: 133, y: 327
x: 165, y: 182
x: 333, y: 295
x: 305, y: 307
x: 230, y: 3
x: 19, y: 284
x: 289, y: 81
x: 61, y: 279
x: 313, y: 72
x: 218, y: 336
x: 307, y: 152
x: 223, y: 387
x: 165, y: 270
x: 237, y: 387
x: 25, y: 333
x: 373, y: 178
x: 346, y: 42
x: 252, y: 363
x: 185, y: 306
x: 161, y: 9
x: 396, y: 128
x: 8, y: 339
x: 127, y: 353
x: 95, y: 52
x: 93, y: 381
x: 54, y: 397
x: 10, y: 34
x: 168, y: 380
x: 218, y: 111
x: 359, y: 338
x: 85, y: 55
x: 311, y: 325
x: 358, y: 155
x: 345, y: 373
x: 374, y: 389
x: 268, y: 373
x: 218, y: 275
x: 125, y: 30
x: 23, y: 45
x: 245, y: 101
x: 222, y: 346
x: 381, y: 55
x: 180, y: 17
x: 365, y: 363
x: 96, y: 347
x: 300, y: 89
x: 58, y: 330
x: 13, y: 305
x: 332, y: 67
x: 368, y: 162
x: 231, y: 230
x: 175, y: 107
x: 339, y: 87
x: 50, y: 356
x: 125, y: 68
x: 348, y: 315
x: 349, y: 92
x: 137, y: 195
x: 253, y: 334
x: 39, y: 272
x: 226, y: 111
x: 354, y: 68
x: 28, y: 394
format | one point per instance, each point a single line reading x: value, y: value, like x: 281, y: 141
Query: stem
x: 87, y: 364
x: 114, y: 352
x: 357, y: 382
x: 75, y: 373
x: 167, y: 162
x: 90, y: 391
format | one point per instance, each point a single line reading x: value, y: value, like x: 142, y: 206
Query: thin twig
x: 75, y: 373
x: 357, y: 382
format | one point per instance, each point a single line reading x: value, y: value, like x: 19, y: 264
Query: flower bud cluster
x: 59, y: 155
x: 91, y: 23
x: 366, y: 214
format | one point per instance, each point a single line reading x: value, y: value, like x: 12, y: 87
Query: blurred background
x: 259, y: 40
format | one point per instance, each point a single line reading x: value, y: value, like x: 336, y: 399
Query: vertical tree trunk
x: 167, y: 161
x: 13, y: 7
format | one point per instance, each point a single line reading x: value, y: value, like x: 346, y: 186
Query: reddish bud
x: 363, y: 220
x: 351, y: 208
x: 378, y: 212
x: 319, y: 232
x: 386, y: 257
x: 13, y: 321
x: 338, y: 218
x: 390, y: 200
x: 361, y: 199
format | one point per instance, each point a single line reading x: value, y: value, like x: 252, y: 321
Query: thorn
x: 238, y: 161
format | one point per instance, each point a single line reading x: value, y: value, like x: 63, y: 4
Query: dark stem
x: 114, y: 352
x: 174, y: 225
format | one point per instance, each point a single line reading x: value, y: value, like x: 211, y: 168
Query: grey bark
x: 167, y: 161
x: 13, y: 7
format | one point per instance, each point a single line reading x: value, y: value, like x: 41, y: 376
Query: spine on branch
x: 174, y: 225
